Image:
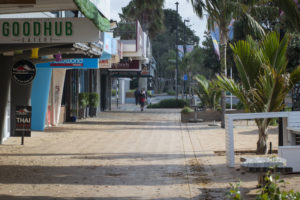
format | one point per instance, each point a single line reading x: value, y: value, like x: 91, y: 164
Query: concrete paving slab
x: 125, y: 154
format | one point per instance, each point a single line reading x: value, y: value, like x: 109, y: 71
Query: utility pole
x: 184, y: 37
x: 176, y: 74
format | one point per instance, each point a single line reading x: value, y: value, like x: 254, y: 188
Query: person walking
x: 136, y: 95
x: 142, y: 98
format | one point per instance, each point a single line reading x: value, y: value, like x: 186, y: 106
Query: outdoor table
x: 261, y: 165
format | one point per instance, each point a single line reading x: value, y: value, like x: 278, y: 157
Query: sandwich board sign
x: 23, y: 122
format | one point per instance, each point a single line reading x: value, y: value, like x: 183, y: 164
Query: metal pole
x: 184, y: 50
x: 231, y: 93
x: 176, y: 74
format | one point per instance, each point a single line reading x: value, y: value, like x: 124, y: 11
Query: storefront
x: 48, y: 88
x: 31, y: 39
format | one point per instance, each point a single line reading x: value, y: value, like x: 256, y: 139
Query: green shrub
x: 238, y: 106
x: 169, y: 103
x: 93, y: 99
x: 228, y: 106
x: 171, y: 92
x: 234, y: 193
x: 187, y: 109
x: 113, y: 92
x: 273, y: 122
x: 287, y: 108
x: 269, y: 191
x: 272, y: 189
x: 83, y: 99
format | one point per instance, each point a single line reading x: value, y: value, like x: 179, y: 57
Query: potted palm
x: 93, y: 103
x: 83, y: 101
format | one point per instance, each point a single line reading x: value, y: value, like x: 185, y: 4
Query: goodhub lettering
x: 37, y: 29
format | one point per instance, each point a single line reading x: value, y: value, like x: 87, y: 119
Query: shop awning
x: 85, y: 6
x: 91, y: 12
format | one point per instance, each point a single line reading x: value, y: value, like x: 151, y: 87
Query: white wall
x: 6, y: 131
x: 29, y: 15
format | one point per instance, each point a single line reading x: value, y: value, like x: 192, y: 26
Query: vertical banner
x: 189, y: 48
x: 215, y: 38
x: 215, y: 35
x: 180, y: 52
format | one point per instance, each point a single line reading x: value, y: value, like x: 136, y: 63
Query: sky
x: 185, y: 9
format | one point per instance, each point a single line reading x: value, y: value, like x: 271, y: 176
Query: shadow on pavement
x: 148, y: 175
x: 10, y: 197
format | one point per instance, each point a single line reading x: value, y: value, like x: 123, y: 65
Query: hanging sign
x: 75, y: 63
x: 23, y: 72
x: 47, y: 30
x: 126, y: 66
x: 23, y: 121
x: 104, y: 64
x: 185, y: 77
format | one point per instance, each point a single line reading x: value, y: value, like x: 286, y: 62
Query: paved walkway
x: 121, y: 155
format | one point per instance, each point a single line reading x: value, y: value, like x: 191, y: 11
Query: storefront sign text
x: 47, y: 30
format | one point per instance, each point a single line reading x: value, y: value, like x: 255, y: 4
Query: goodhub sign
x: 48, y: 30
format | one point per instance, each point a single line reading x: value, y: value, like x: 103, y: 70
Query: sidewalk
x: 125, y: 107
x: 125, y: 155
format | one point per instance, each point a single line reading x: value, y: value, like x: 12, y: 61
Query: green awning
x: 91, y: 12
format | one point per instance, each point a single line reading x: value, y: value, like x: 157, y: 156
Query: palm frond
x: 291, y: 11
x: 295, y: 76
x: 257, y: 28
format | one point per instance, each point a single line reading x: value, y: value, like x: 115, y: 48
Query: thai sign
x: 126, y: 66
x: 75, y: 63
x: 48, y: 30
x: 23, y: 72
x: 23, y: 121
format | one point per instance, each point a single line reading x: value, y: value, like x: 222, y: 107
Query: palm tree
x: 221, y: 12
x: 149, y: 13
x: 264, y: 82
x: 208, y: 92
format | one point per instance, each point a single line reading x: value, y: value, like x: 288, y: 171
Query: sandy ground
x: 128, y: 155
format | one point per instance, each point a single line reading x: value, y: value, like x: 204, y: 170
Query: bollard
x: 270, y: 151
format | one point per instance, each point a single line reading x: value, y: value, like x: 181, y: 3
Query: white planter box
x: 292, y: 156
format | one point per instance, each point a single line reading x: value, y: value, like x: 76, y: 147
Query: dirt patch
x: 198, y: 172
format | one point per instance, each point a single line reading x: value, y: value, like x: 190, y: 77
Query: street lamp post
x: 176, y: 74
x: 184, y: 38
x: 184, y: 50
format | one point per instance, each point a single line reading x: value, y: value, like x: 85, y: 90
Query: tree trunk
x: 261, y: 148
x: 223, y: 47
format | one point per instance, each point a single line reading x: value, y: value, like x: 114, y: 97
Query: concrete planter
x: 207, y: 115
x: 92, y: 111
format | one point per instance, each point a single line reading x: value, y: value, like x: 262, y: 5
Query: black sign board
x: 23, y: 72
x: 23, y: 121
x: 124, y: 74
